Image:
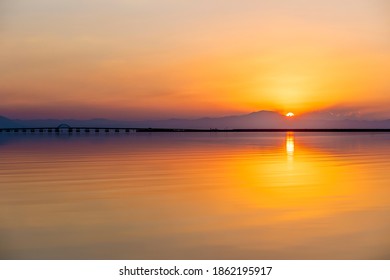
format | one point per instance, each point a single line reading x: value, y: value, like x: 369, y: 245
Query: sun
x: 290, y: 114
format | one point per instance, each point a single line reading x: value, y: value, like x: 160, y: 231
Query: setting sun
x: 290, y: 115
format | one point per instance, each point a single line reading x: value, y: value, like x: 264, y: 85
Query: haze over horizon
x: 142, y: 60
x: 331, y: 114
x: 254, y: 120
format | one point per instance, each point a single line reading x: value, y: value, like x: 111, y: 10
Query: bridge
x: 65, y: 128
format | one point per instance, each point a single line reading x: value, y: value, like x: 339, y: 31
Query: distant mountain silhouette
x: 260, y: 119
x: 7, y: 123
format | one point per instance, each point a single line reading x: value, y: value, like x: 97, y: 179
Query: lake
x: 195, y: 196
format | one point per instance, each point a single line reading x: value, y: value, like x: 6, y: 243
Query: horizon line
x: 87, y: 129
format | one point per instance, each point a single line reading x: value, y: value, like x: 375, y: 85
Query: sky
x: 152, y: 59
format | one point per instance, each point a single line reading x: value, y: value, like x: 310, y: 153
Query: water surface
x: 195, y: 196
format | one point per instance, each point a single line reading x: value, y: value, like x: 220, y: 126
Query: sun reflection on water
x: 290, y: 146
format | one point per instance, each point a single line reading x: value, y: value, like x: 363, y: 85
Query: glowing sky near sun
x: 156, y: 59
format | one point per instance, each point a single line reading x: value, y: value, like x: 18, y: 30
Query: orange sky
x: 159, y: 59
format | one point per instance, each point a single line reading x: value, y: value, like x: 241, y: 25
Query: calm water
x: 195, y: 196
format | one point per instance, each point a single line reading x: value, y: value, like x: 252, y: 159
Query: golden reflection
x: 290, y: 146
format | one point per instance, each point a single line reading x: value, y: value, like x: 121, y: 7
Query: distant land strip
x: 132, y: 130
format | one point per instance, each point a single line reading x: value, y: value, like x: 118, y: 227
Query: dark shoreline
x: 132, y: 130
